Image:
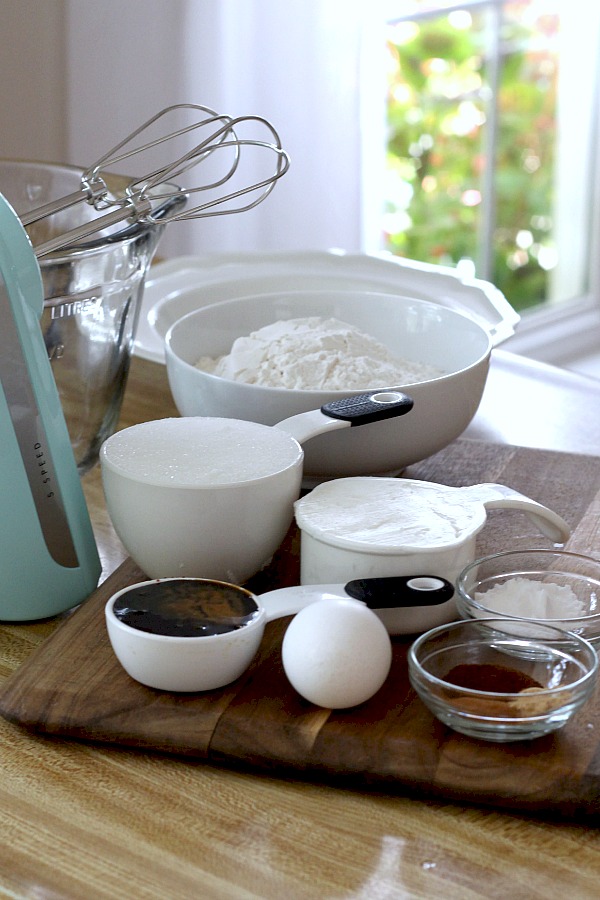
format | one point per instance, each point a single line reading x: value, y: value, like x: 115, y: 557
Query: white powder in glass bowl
x: 315, y: 353
x: 532, y: 599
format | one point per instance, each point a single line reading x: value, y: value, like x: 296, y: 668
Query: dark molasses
x: 186, y: 608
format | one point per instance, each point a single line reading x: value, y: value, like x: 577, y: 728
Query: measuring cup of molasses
x: 191, y: 634
x: 184, y: 634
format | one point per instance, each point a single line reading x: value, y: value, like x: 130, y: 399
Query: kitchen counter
x: 532, y: 404
x: 83, y: 820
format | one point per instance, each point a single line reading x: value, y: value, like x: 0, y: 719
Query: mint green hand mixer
x: 48, y: 556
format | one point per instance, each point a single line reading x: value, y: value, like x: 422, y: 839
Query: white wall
x: 32, y: 73
x: 102, y: 66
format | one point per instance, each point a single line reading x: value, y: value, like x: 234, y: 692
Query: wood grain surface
x: 73, y: 685
x: 83, y: 819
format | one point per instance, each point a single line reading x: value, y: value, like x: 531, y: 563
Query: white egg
x: 336, y: 653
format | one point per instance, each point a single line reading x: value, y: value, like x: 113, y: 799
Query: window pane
x: 473, y: 175
x: 436, y: 113
x: 524, y: 245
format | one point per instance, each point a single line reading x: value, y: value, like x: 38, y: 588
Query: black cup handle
x: 371, y: 407
x: 400, y: 591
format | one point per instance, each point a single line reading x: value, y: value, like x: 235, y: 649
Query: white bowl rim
x: 183, y: 322
x: 182, y: 283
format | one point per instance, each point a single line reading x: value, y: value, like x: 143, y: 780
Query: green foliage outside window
x: 440, y: 110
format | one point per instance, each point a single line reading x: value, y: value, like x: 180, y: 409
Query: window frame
x: 562, y: 333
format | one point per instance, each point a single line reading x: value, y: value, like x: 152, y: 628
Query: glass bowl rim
x: 502, y: 554
x: 585, y: 681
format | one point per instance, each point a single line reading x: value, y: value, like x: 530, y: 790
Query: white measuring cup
x: 375, y: 527
x: 213, y: 497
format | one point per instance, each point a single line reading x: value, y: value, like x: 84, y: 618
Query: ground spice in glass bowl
x: 490, y: 677
x: 530, y: 699
x: 486, y: 680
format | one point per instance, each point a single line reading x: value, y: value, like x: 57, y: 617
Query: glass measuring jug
x: 92, y: 296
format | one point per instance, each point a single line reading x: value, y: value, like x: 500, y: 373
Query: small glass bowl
x: 556, y: 587
x: 500, y: 680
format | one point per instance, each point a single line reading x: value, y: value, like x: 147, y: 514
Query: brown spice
x: 490, y: 677
x: 498, y: 679
x: 531, y: 703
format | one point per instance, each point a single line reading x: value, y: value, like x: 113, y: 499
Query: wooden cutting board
x: 73, y: 686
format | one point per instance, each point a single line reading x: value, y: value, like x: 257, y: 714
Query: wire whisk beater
x: 227, y: 147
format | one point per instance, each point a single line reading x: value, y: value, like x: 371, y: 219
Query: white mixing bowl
x: 412, y: 329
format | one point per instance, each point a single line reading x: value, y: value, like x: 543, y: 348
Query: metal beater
x: 142, y: 196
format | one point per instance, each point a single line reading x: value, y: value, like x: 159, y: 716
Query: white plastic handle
x: 289, y: 601
x: 499, y: 496
x: 358, y: 409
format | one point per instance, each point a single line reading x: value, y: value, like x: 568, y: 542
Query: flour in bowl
x: 315, y: 353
